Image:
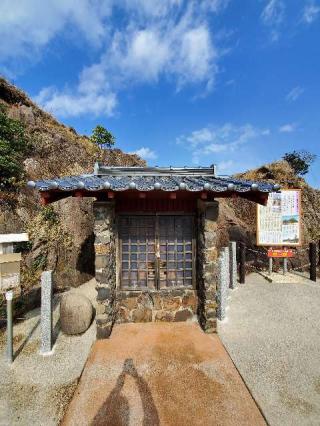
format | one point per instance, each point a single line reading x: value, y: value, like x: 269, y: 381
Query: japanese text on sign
x: 278, y: 223
x: 280, y: 253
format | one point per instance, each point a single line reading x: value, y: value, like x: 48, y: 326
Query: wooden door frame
x: 157, y: 285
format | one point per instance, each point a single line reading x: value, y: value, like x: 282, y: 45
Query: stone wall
x: 186, y: 304
x: 105, y: 266
x: 165, y: 305
x: 207, y: 255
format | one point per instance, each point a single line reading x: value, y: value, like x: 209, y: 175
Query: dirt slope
x: 238, y: 216
x: 61, y: 235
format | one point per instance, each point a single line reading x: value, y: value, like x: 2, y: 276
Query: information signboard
x: 9, y: 271
x: 279, y: 222
x: 10, y: 261
x: 280, y: 253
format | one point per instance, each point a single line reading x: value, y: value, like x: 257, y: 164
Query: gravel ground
x: 35, y: 389
x: 272, y: 334
x: 288, y: 278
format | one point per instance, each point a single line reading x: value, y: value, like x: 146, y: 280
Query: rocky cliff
x: 61, y: 235
x: 238, y: 216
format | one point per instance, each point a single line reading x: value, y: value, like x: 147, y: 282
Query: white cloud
x: 273, y: 12
x: 93, y: 95
x: 145, y: 153
x: 162, y: 39
x: 224, y: 166
x: 311, y: 12
x: 26, y: 26
x: 265, y: 132
x: 288, y: 128
x: 218, y: 139
x: 69, y: 104
x: 273, y: 16
x: 150, y: 8
x: 294, y: 94
x: 137, y: 55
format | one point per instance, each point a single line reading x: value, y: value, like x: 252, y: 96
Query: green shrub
x: 13, y: 148
x: 49, y: 215
x: 39, y: 262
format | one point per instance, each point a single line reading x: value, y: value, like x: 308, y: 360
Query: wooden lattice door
x: 176, y: 251
x: 156, y: 251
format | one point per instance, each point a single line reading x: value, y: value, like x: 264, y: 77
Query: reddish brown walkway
x: 161, y: 374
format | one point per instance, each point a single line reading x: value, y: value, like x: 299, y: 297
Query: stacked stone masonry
x: 105, y: 266
x: 207, y: 264
x: 115, y: 305
x: 164, y: 305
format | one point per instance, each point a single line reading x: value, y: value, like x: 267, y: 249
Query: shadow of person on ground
x: 115, y: 410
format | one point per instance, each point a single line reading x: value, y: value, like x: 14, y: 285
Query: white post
x: 9, y: 297
x: 10, y: 279
x: 285, y: 265
x: 223, y: 283
x: 270, y: 265
x: 233, y: 263
x: 227, y: 268
x: 46, y: 312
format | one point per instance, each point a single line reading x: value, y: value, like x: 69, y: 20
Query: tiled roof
x: 148, y: 179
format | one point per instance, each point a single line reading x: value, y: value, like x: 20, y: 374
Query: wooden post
x: 313, y: 261
x: 242, y: 269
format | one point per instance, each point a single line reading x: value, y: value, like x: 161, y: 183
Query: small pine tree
x: 102, y: 137
x: 300, y: 161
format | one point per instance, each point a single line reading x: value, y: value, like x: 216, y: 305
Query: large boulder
x: 76, y: 313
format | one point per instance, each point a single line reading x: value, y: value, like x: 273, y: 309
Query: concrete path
x: 161, y: 374
x: 272, y: 332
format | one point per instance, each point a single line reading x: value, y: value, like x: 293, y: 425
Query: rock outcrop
x: 238, y: 218
x: 61, y: 235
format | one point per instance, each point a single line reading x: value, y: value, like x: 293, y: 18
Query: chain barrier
x: 259, y: 253
x: 300, y: 267
x: 305, y: 260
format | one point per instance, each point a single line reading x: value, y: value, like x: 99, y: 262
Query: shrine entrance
x: 156, y: 251
x: 157, y: 239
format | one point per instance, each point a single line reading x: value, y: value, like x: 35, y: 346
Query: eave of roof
x: 150, y: 183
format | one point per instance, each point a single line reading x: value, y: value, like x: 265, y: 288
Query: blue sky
x: 235, y: 83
